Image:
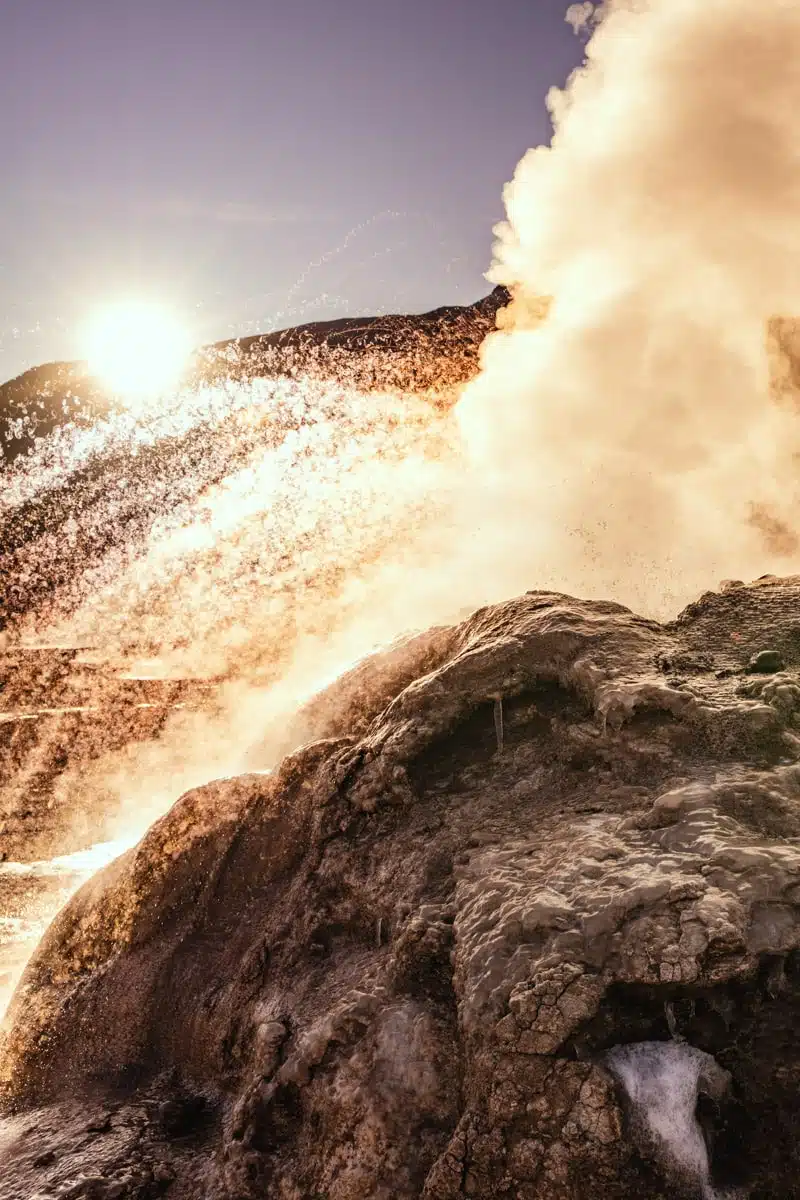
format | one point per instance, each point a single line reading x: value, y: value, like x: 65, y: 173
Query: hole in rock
x: 278, y: 1120
x: 527, y: 717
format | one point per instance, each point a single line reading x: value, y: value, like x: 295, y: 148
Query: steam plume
x: 625, y: 438
x: 628, y: 444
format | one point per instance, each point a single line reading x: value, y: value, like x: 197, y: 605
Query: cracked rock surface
x: 398, y: 966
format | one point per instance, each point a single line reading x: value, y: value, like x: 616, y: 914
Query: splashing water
x: 622, y: 439
x: 225, y: 508
x: 93, y: 858
x: 662, y: 1081
x: 79, y: 862
x: 53, y: 882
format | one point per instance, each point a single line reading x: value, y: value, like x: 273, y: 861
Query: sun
x: 136, y: 348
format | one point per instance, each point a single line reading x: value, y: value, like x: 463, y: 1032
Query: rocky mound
x: 521, y: 919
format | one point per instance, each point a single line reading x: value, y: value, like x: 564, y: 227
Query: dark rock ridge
x: 415, y: 352
x: 521, y: 919
x: 43, y: 399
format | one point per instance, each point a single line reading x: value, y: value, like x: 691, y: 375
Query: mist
x: 632, y: 433
x: 628, y: 445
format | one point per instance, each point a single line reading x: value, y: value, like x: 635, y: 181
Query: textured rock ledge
x: 396, y: 966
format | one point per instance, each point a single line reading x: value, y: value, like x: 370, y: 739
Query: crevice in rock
x: 530, y: 715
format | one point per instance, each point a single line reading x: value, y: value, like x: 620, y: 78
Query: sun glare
x: 136, y: 348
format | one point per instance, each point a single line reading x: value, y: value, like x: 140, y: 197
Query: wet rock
x: 397, y: 967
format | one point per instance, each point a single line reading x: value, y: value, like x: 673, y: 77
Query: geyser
x: 622, y: 440
x: 310, y: 947
x: 627, y: 444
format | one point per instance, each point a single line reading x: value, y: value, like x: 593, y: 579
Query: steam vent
x: 518, y: 917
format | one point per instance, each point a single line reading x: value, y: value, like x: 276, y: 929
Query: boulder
x: 476, y: 937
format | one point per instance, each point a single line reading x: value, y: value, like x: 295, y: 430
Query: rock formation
x: 519, y: 918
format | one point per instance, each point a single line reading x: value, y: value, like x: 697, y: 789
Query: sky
x: 253, y: 164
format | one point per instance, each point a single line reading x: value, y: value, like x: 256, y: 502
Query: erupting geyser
x: 385, y: 952
x: 628, y: 445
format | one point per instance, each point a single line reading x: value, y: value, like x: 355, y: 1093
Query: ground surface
x: 396, y: 966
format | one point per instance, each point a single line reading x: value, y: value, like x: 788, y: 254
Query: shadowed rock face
x: 400, y: 965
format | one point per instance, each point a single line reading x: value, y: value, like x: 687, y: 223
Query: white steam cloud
x: 582, y: 16
x: 625, y: 438
x: 629, y: 444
